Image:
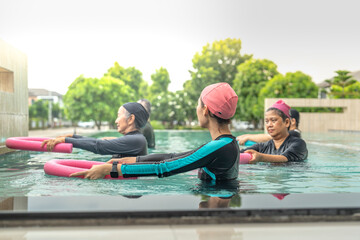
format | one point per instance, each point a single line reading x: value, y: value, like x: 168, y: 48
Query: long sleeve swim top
x: 217, y: 160
x: 131, y: 144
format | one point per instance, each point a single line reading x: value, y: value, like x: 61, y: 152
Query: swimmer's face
x: 121, y: 120
x: 275, y: 125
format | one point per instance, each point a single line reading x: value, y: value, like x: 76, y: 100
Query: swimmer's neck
x: 217, y: 130
x: 279, y: 139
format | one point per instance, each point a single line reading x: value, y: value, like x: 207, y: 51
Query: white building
x: 43, y: 94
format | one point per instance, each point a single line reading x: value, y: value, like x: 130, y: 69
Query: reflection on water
x: 333, y: 166
x: 186, y: 202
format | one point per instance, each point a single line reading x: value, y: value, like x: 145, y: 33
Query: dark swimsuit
x: 293, y: 148
x: 149, y: 134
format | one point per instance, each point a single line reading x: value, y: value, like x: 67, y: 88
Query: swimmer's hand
x: 256, y: 156
x: 50, y: 143
x: 124, y: 160
x: 95, y: 172
x: 262, y: 157
x: 242, y: 139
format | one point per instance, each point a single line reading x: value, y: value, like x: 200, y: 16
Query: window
x: 6, y: 80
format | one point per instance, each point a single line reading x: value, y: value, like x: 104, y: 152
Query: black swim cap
x: 141, y: 115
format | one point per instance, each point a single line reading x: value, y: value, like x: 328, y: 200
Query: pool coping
x: 213, y: 216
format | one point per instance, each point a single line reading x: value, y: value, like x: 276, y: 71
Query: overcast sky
x: 67, y: 38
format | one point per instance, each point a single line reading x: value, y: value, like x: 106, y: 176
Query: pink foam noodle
x: 34, y: 144
x: 245, y: 158
x: 65, y: 167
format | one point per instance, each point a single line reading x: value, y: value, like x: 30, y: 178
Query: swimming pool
x: 333, y: 166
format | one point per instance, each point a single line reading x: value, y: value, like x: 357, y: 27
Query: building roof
x: 356, y: 75
x: 36, y: 92
x: 323, y: 84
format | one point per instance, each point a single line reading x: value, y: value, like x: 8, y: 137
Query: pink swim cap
x: 220, y: 99
x: 282, y: 106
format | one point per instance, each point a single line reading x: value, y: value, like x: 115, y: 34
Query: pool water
x: 333, y: 166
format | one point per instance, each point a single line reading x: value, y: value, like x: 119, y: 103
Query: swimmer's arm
x: 97, y: 171
x: 151, y: 158
x: 262, y: 157
x: 253, y: 137
x: 108, y: 138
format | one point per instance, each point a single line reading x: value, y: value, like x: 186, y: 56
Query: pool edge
x: 218, y: 216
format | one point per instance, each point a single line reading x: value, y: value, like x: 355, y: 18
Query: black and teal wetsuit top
x: 217, y: 160
x: 130, y: 145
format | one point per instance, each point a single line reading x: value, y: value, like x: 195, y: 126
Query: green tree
x: 160, y: 82
x: 130, y: 76
x: 168, y: 108
x: 353, y: 90
x: 342, y: 80
x: 56, y: 110
x: 96, y: 99
x: 292, y: 85
x: 191, y: 97
x: 251, y: 78
x: 39, y: 110
x: 144, y: 90
x: 217, y: 62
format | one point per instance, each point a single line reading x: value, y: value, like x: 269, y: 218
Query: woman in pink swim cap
x: 282, y: 147
x: 216, y: 160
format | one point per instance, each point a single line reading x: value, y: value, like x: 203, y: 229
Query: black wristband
x: 114, y: 172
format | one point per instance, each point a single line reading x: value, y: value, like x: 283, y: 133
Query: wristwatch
x: 114, y: 172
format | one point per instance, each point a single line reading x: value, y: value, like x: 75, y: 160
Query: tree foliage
x: 294, y: 85
x: 217, y: 62
x: 96, y: 99
x: 39, y: 109
x: 160, y: 82
x: 340, y: 82
x: 251, y: 78
x: 168, y: 107
x: 353, y: 90
x: 130, y: 76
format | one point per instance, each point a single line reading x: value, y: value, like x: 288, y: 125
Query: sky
x: 67, y: 38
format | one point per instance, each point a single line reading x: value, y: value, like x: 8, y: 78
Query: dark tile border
x: 51, y: 219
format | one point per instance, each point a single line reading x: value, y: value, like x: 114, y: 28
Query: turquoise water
x: 333, y: 166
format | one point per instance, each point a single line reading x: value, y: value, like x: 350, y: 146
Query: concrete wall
x: 348, y: 120
x: 13, y: 93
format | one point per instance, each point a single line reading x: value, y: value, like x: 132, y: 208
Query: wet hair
x: 280, y: 113
x: 220, y: 121
x: 295, y: 114
x: 146, y: 104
